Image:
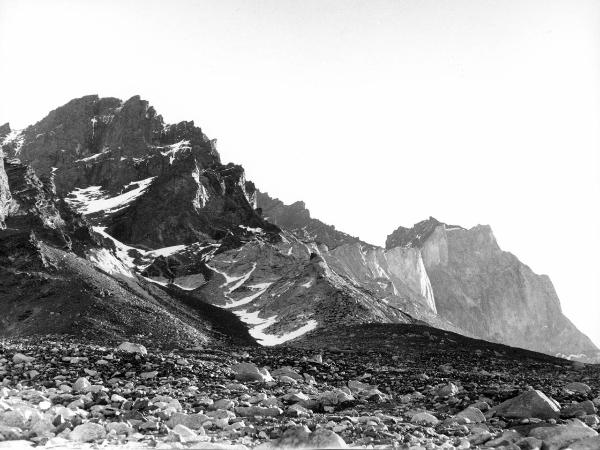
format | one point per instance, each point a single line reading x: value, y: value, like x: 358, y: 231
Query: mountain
x: 58, y: 276
x: 488, y: 292
x: 121, y: 202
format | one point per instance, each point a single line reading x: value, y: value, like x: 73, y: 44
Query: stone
x: 185, y: 434
x: 19, y: 358
x: 301, y: 437
x: 589, y: 443
x: 82, y: 385
x: 119, y: 428
x: 287, y: 372
x: 129, y: 347
x: 559, y: 436
x: 473, y: 414
x: 251, y: 411
x: 224, y: 403
x: 357, y: 386
x: 531, y: 403
x: 529, y: 443
x: 148, y: 375
x: 584, y: 408
x: 424, y: 417
x: 249, y: 372
x: 87, y: 432
x: 448, y: 390
x: 576, y: 386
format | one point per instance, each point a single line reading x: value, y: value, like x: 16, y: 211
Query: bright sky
x: 375, y: 113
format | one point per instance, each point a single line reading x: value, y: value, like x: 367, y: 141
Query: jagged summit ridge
x: 148, y: 182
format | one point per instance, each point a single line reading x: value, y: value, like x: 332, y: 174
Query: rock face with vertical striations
x: 488, y: 292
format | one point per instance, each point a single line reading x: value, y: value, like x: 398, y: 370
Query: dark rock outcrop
x: 57, y: 277
x: 101, y: 149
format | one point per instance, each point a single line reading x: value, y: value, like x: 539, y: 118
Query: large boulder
x: 529, y: 404
x: 559, y: 436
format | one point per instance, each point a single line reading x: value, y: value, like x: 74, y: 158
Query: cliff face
x: 489, y: 292
x: 59, y: 277
x: 148, y: 182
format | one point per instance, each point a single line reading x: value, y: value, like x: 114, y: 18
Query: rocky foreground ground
x: 430, y: 390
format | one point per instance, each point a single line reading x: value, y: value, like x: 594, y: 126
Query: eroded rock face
x: 149, y: 183
x: 488, y: 292
x: 296, y: 218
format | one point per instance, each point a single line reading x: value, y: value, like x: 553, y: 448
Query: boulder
x: 249, y: 372
x: 129, y: 347
x: 474, y: 415
x: 576, y: 386
x: 301, y: 437
x: 529, y: 404
x: 87, y: 432
x: 185, y: 434
x: 559, y: 436
x: 82, y: 385
x: 21, y: 358
x: 447, y: 390
x: 424, y: 418
x: 192, y: 421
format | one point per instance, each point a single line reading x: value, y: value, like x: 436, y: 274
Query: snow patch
x: 243, y: 301
x: 166, y: 251
x: 94, y: 156
x: 105, y: 260
x: 250, y: 229
x: 308, y: 284
x: 92, y: 199
x: 257, y: 331
x: 14, y: 137
x: 173, y: 149
x: 202, y: 196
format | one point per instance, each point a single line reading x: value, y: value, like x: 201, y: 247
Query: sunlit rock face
x: 490, y: 293
x: 398, y: 272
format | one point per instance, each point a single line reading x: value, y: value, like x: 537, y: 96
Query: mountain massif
x: 115, y: 223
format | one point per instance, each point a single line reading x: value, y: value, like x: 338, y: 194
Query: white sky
x: 375, y: 113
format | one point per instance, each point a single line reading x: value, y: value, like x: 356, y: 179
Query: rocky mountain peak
x: 296, y: 218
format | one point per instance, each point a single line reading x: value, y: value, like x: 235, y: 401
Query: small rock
x: 185, y: 434
x: 249, y: 372
x: 576, y: 386
x: 448, y: 390
x: 473, y: 414
x: 148, y: 375
x: 21, y: 358
x: 82, y: 385
x: 130, y: 347
x: 87, y: 432
x: 424, y: 417
x: 251, y: 411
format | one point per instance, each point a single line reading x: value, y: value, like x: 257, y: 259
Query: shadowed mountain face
x: 150, y: 183
x: 115, y: 223
x: 488, y: 292
x: 57, y: 276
